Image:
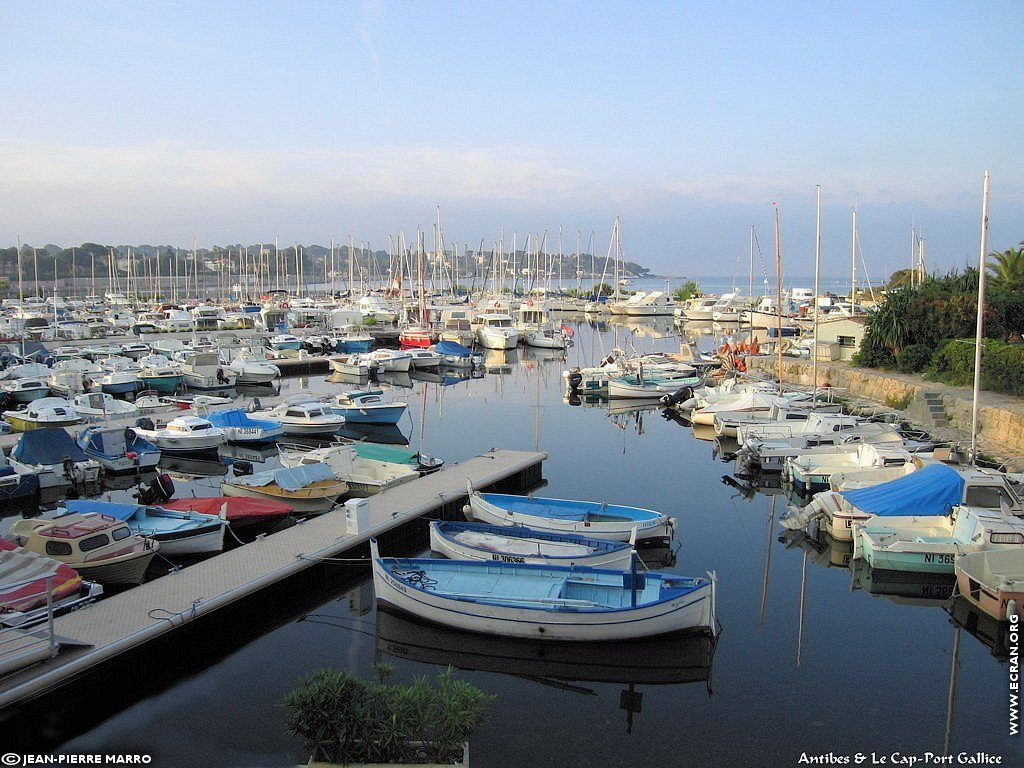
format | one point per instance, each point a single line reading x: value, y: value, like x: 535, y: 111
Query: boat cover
x: 236, y: 417
x: 931, y: 490
x: 113, y: 509
x: 47, y: 446
x: 452, y: 348
x: 23, y: 578
x: 290, y: 478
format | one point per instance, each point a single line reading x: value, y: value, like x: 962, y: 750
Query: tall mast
x: 817, y: 267
x: 778, y: 291
x: 853, y: 262
x: 981, y: 322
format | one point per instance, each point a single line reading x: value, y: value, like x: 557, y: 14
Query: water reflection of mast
x: 803, y: 598
x: 951, y: 702
x: 767, y: 561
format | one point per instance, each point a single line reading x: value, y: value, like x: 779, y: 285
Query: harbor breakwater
x: 944, y: 410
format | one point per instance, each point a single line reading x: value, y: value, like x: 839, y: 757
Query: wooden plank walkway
x: 124, y: 621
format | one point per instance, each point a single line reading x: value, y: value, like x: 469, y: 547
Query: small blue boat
x: 588, y: 518
x: 179, y: 533
x: 518, y: 544
x: 240, y: 427
x: 545, y: 602
x: 368, y: 407
x: 118, y: 449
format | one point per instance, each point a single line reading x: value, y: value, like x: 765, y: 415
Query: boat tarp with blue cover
x: 452, y: 348
x: 113, y: 509
x: 47, y: 446
x: 290, y: 479
x: 236, y: 417
x: 931, y: 490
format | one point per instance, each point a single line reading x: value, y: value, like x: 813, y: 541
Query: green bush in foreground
x: 343, y: 719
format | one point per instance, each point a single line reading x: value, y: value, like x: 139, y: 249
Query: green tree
x: 687, y: 290
x: 1006, y: 269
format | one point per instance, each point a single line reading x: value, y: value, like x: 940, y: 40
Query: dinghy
x: 311, y: 488
x: 518, y: 544
x: 595, y: 519
x: 544, y: 601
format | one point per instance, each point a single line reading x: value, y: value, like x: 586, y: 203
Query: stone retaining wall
x: 1001, y: 418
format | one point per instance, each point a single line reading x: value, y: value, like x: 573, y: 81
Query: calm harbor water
x: 808, y: 663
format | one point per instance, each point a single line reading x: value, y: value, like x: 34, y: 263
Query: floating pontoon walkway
x: 122, y: 622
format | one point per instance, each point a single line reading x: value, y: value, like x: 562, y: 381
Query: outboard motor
x: 160, y: 490
x: 145, y: 423
x: 241, y: 467
x: 681, y: 395
x: 575, y: 378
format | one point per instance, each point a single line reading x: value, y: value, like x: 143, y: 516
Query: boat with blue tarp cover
x: 457, y: 355
x: 519, y: 544
x: 55, y: 455
x: 240, y: 427
x: 545, y: 601
x: 596, y: 519
x: 179, y: 533
x: 930, y: 492
x: 307, y: 488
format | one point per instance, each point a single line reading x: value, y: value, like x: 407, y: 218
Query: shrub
x: 914, y: 359
x: 343, y: 719
x: 1002, y: 365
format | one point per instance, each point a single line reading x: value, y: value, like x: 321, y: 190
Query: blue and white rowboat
x: 518, y: 544
x: 595, y: 519
x: 544, y: 601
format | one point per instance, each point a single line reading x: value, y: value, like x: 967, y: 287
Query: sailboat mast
x: 981, y: 322
x: 778, y: 292
x: 817, y: 267
x: 853, y: 262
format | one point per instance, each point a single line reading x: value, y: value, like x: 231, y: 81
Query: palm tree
x: 1006, y: 269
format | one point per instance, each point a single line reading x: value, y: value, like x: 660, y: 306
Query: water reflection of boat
x: 398, y: 379
x: 444, y: 378
x: 123, y: 482
x: 500, y: 360
x: 927, y: 589
x: 542, y: 354
x: 389, y: 434
x: 651, y: 326
x: 671, y: 659
x: 254, y: 453
x: 993, y: 634
x: 186, y: 467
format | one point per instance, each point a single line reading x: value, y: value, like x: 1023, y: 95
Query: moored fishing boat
x: 993, y: 580
x: 44, y: 413
x: 179, y: 533
x: 99, y: 547
x: 543, y: 601
x: 363, y: 476
x: 518, y: 544
x: 311, y: 488
x: 241, y: 427
x: 118, y: 449
x: 240, y: 512
x: 55, y: 457
x: 368, y: 407
x: 598, y: 520
x: 182, y: 434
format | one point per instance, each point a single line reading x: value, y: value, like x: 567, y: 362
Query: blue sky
x: 242, y: 122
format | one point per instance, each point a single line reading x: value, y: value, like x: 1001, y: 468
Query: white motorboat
x: 44, y: 413
x: 309, y: 418
x: 25, y: 390
x: 203, y: 370
x: 388, y: 360
x: 494, y: 330
x: 182, y: 434
x: 101, y: 405
x: 252, y: 367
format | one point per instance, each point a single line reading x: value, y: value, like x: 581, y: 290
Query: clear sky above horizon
x: 242, y: 122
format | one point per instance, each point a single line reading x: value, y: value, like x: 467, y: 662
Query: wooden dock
x: 102, y: 632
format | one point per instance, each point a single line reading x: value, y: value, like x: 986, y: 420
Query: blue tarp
x: 452, y: 348
x: 120, y: 511
x: 931, y: 490
x: 236, y: 417
x: 290, y: 478
x: 47, y: 446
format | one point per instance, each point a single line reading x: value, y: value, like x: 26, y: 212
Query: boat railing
x: 27, y: 637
